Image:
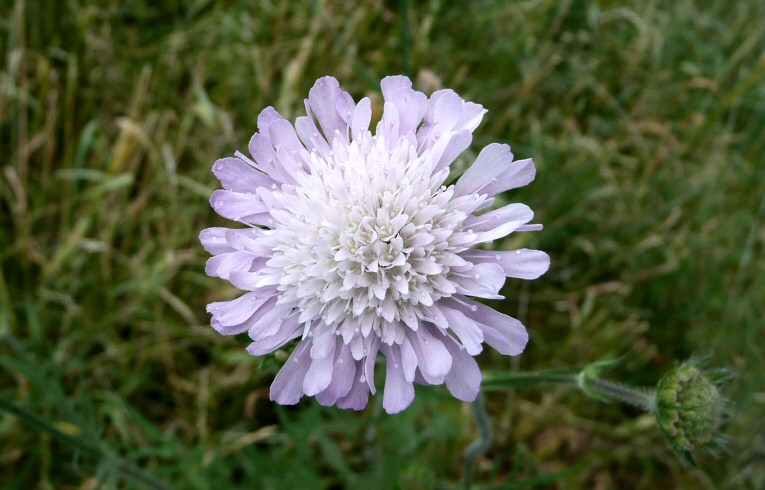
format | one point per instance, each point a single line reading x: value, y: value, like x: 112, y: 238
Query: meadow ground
x: 647, y: 123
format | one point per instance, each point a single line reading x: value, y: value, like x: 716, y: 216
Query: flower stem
x: 493, y: 380
x: 612, y: 391
x: 586, y: 379
x: 480, y: 445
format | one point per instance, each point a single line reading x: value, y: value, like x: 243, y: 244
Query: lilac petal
x: 445, y: 109
x: 522, y: 263
x: 357, y: 398
x: 517, y: 174
x: 411, y: 104
x: 323, y: 99
x: 408, y: 359
x: 506, y: 334
x: 265, y: 155
x: 249, y: 281
x: 254, y: 312
x: 433, y: 358
x: 362, y: 115
x: 500, y: 222
x: 344, y: 372
x: 319, y: 375
x: 324, y: 340
x: 310, y: 136
x: 345, y: 108
x: 236, y: 175
x: 482, y: 281
x: 369, y: 364
x: 214, y: 240
x: 490, y: 220
x: 270, y: 317
x: 491, y: 162
x: 283, y: 136
x: 237, y: 206
x: 234, y: 312
x: 399, y: 392
x: 471, y: 116
x: 266, y: 118
x: 464, y: 378
x: 469, y: 333
x: 388, y: 126
x: 458, y: 143
x: 287, y: 388
x: 279, y: 130
x: 289, y: 329
x: 434, y: 315
x: 224, y: 264
x: 251, y: 241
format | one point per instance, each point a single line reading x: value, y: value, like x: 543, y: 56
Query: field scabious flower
x: 357, y: 247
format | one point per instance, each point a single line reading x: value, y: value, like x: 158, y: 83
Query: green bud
x: 690, y: 409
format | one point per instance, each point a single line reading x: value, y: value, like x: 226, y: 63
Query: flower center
x: 368, y: 240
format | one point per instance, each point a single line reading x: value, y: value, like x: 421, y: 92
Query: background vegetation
x: 646, y: 120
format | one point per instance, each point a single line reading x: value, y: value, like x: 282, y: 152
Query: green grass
x: 646, y: 121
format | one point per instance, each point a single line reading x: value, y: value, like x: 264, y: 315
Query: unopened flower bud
x: 690, y: 409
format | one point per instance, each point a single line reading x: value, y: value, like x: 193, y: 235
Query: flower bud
x: 690, y: 409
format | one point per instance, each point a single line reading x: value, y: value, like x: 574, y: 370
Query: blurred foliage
x: 647, y: 123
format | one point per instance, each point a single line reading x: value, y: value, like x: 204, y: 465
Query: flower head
x: 357, y: 247
x: 690, y: 409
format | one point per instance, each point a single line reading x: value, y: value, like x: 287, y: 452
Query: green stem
x: 480, y: 445
x: 586, y: 379
x: 612, y: 391
x: 493, y: 380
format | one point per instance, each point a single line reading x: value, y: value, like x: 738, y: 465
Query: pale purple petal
x: 408, y: 359
x: 506, y: 334
x: 491, y: 162
x: 236, y: 175
x: 517, y: 174
x: 323, y: 98
x: 287, y: 388
x: 269, y: 318
x: 280, y: 132
x: 399, y: 392
x: 481, y: 281
x: 471, y: 116
x: 310, y: 136
x: 233, y: 312
x: 444, y: 110
x: 522, y: 263
x: 319, y: 375
x: 224, y: 264
x: 369, y: 364
x: 288, y: 329
x: 499, y: 223
x: 362, y: 115
x: 357, y: 398
x: 214, y: 240
x: 283, y: 136
x: 344, y: 372
x: 238, y: 206
x: 432, y: 357
x: 468, y: 331
x: 411, y: 104
x: 464, y: 378
x: 459, y: 142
